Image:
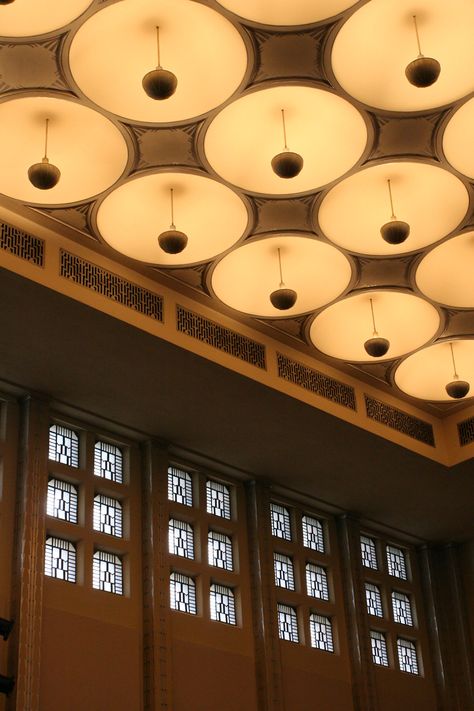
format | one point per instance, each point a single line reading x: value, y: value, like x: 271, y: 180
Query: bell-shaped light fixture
x: 457, y: 388
x: 287, y: 164
x: 160, y: 83
x: 422, y: 71
x: 283, y: 298
x: 6, y: 2
x: 395, y: 231
x: 376, y: 346
x: 172, y: 241
x: 44, y: 175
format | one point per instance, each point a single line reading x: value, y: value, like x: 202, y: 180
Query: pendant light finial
x: 44, y: 175
x: 283, y: 298
x: 457, y: 388
x: 286, y: 164
x: 172, y: 241
x: 376, y: 347
x: 395, y: 231
x: 159, y: 84
x: 422, y: 71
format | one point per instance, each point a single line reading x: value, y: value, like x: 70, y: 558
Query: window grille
x: 64, y: 445
x: 317, y: 581
x: 284, y: 575
x: 287, y: 623
x: 368, y: 552
x: 313, y: 534
x: 62, y: 500
x: 218, y: 499
x: 222, y: 604
x: 219, y: 549
x: 180, y: 486
x: 108, y: 515
x: 108, y: 462
x: 107, y: 573
x: 379, y: 648
x: 374, y: 600
x: 60, y: 559
x: 182, y: 593
x: 181, y: 539
x: 280, y: 520
x: 402, y: 609
x: 396, y: 562
x: 407, y: 657
x: 321, y: 632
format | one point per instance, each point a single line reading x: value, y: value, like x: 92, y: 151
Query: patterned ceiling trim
x: 466, y: 431
x: 399, y: 420
x: 217, y: 336
x: 316, y: 382
x: 21, y: 244
x: 110, y: 285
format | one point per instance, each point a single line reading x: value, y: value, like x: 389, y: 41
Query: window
x: 219, y: 549
x: 402, y: 609
x: 182, y: 593
x: 222, y: 604
x: 368, y: 552
x: 284, y: 576
x: 407, y: 657
x: 321, y: 632
x: 181, y: 539
x: 218, y: 499
x: 287, y: 623
x: 396, y: 562
x: 180, y: 487
x: 60, y: 559
x: 63, y: 445
x: 108, y: 462
x: 280, y: 520
x: 108, y: 515
x: 374, y: 600
x: 317, y: 581
x: 107, y: 573
x: 62, y: 500
x: 313, y: 534
x: 379, y: 648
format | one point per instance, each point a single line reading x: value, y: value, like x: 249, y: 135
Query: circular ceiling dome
x: 430, y: 199
x: 426, y: 373
x: 245, y: 278
x: 378, y: 41
x: 282, y: 12
x: 458, y: 139
x: 25, y: 18
x: 326, y: 130
x: 405, y: 320
x: 445, y: 273
x: 116, y: 47
x: 88, y: 149
x: 131, y: 218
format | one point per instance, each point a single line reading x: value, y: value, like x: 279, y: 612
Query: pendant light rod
x: 282, y: 283
x: 172, y: 226
x: 455, y: 375
x: 420, y: 53
x: 375, y: 333
x: 158, y: 47
x: 393, y: 216
x: 284, y: 128
x: 45, y: 158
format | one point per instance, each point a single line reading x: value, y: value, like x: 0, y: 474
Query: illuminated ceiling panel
x: 30, y: 17
x: 458, y: 139
x: 282, y: 12
x: 446, y: 273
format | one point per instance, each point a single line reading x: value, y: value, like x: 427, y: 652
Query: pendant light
x: 287, y: 164
x: 160, y: 83
x: 6, y: 2
x: 456, y: 389
x: 283, y: 298
x: 423, y: 71
x: 172, y: 241
x: 376, y: 346
x: 395, y: 231
x: 44, y: 175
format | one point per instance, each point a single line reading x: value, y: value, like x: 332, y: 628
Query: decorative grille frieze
x: 398, y: 420
x: 466, y: 431
x: 316, y: 382
x: 21, y: 244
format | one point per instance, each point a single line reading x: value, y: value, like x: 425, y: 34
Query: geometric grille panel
x: 287, y: 623
x: 407, y: 657
x: 62, y: 500
x: 181, y: 539
x: 180, y: 486
x: 321, y: 632
x: 21, y: 244
x: 316, y: 382
x: 222, y: 604
x: 217, y: 336
x: 111, y: 285
x: 374, y: 600
x: 317, y: 581
x: 218, y: 499
x: 313, y: 534
x: 284, y: 576
x: 379, y: 648
x: 108, y: 515
x: 396, y: 562
x: 182, y: 593
x: 368, y: 552
x: 466, y: 431
x: 398, y: 420
x: 219, y: 548
x: 280, y: 521
x: 107, y: 573
x: 402, y: 609
x: 108, y: 462
x: 60, y: 559
x: 63, y: 446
